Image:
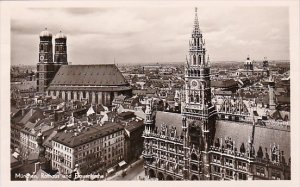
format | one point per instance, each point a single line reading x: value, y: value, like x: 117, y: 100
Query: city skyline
x: 125, y: 34
x: 77, y: 118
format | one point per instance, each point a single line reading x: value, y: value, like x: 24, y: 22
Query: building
x: 88, y: 147
x: 134, y: 127
x: 94, y: 83
x: 231, y: 142
x: 46, y: 68
x: 249, y: 69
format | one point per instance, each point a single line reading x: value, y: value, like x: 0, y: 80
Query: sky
x: 149, y: 34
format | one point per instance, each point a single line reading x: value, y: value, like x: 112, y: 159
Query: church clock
x: 194, y: 83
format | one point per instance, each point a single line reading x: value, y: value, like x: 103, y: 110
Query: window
x: 228, y: 162
x: 216, y: 158
x: 242, y: 165
x: 194, y: 167
x: 229, y: 173
x: 276, y: 175
x: 242, y: 176
x: 217, y: 169
x: 260, y: 171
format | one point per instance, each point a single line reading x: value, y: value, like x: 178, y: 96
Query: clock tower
x: 197, y: 110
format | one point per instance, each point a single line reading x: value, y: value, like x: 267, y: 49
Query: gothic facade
x: 206, y: 143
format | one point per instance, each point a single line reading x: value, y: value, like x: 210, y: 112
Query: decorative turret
x: 177, y: 100
x: 271, y: 85
x: 149, y: 123
x: 197, y: 45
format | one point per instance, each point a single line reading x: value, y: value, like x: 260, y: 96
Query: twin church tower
x: 47, y: 66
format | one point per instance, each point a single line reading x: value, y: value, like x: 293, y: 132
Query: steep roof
x: 169, y: 119
x: 89, y: 75
x: 264, y: 137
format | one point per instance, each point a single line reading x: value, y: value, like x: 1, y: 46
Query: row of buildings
x: 88, y: 139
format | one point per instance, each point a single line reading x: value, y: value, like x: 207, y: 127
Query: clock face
x: 41, y: 57
x: 194, y: 83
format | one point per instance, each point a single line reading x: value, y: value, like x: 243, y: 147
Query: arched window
x: 194, y: 156
x: 199, y: 59
x: 194, y: 167
x: 191, y: 98
x: 194, y: 60
x: 197, y: 98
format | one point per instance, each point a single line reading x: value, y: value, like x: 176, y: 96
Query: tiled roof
x: 224, y: 83
x: 169, y: 119
x: 264, y: 137
x: 283, y: 99
x: 133, y: 125
x: 94, y: 75
x: 32, y: 115
x: 89, y: 134
x: 47, y: 141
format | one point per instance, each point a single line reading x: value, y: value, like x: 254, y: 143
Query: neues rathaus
x: 206, y: 142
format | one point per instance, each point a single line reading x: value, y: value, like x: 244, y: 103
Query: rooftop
x: 264, y: 137
x: 170, y: 120
x: 76, y: 137
x: 89, y: 75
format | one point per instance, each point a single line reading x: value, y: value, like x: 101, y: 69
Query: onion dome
x: 45, y: 33
x: 60, y: 35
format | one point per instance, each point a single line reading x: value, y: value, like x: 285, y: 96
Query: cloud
x: 152, y: 34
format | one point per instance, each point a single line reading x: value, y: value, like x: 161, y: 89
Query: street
x: 132, y: 173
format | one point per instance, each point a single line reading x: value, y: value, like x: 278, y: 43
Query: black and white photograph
x: 150, y: 91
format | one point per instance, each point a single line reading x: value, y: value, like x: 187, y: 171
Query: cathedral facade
x: 98, y: 84
x: 206, y: 143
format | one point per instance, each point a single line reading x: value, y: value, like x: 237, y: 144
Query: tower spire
x: 196, y: 22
